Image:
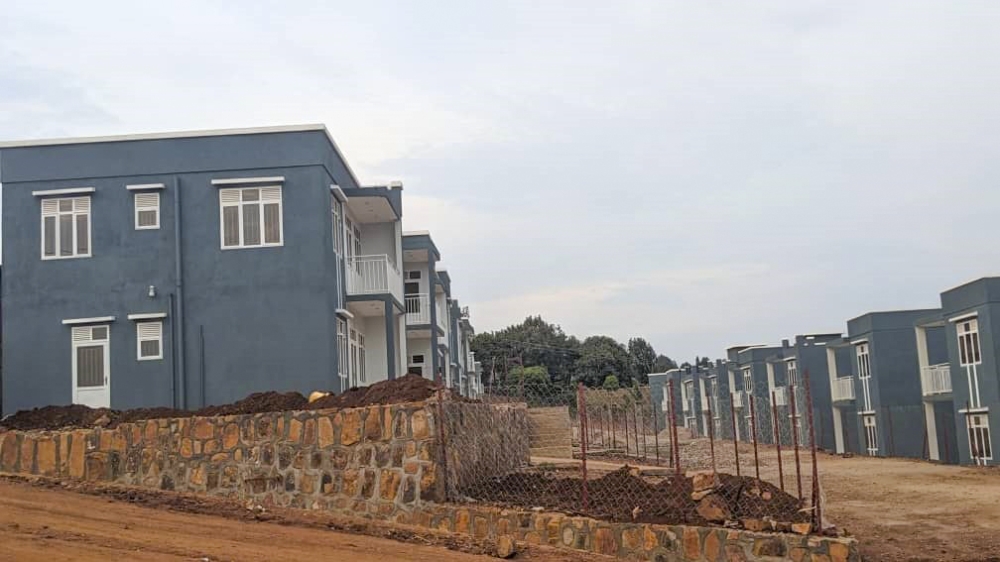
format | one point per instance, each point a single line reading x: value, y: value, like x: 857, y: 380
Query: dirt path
x: 56, y: 525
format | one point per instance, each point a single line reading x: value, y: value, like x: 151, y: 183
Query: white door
x: 91, y: 366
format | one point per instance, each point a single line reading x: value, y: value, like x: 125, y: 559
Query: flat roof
x: 186, y: 134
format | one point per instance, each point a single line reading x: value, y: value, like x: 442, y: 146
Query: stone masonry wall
x: 375, y: 460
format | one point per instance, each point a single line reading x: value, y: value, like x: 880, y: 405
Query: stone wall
x: 376, y: 460
x: 660, y: 543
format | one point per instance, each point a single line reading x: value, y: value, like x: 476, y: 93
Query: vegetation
x: 540, y: 355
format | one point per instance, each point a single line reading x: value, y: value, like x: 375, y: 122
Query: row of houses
x: 921, y: 383
x: 189, y: 269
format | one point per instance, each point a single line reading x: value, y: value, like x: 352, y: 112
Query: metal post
x: 795, y: 443
x: 625, y: 423
x: 656, y: 435
x: 753, y: 430
x: 736, y: 441
x: 582, y: 407
x: 443, y: 444
x: 711, y: 438
x: 673, y: 431
x: 892, y: 446
x: 635, y: 431
x: 817, y: 501
x: 645, y: 444
x: 777, y: 438
x: 614, y: 436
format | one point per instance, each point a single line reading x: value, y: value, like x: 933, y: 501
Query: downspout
x: 179, y: 290
x: 173, y: 343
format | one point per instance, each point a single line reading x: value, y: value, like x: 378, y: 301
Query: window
x: 979, y: 439
x: 361, y: 358
x: 147, y: 211
x: 150, y: 340
x: 748, y: 380
x: 793, y: 373
x: 871, y: 435
x: 865, y: 374
x: 65, y: 228
x: 250, y: 217
x: 968, y: 343
x: 338, y: 226
x: 418, y: 359
x: 413, y: 274
x: 342, y: 351
x: 90, y: 356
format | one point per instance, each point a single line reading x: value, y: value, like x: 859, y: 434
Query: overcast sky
x: 702, y: 174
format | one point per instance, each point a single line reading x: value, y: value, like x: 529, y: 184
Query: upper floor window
x: 147, y: 211
x: 748, y: 380
x: 250, y: 217
x: 338, y: 226
x: 66, y: 228
x: 793, y: 373
x: 968, y: 343
x: 864, y: 361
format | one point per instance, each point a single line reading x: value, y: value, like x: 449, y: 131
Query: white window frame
x: 343, y: 359
x: 970, y: 356
x: 240, y: 204
x: 139, y: 338
x: 338, y: 226
x: 980, y: 444
x: 748, y: 380
x: 870, y: 427
x: 79, y: 206
x: 865, y: 373
x: 140, y: 207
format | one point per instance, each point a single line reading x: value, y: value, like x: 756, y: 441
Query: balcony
x: 418, y: 309
x: 373, y: 275
x: 936, y: 379
x: 842, y: 388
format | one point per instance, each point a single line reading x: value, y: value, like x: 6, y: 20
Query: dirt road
x: 56, y: 525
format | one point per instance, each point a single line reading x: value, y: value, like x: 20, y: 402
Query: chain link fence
x: 642, y: 455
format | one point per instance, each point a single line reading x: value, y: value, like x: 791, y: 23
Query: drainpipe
x: 179, y: 290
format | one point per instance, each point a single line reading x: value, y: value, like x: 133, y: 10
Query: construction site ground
x: 95, y: 523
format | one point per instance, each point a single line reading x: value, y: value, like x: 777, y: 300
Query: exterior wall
x: 756, y: 360
x: 420, y: 346
x: 376, y: 367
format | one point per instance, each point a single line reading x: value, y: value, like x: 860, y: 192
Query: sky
x: 701, y: 174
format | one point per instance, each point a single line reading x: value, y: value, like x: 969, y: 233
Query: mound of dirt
x: 411, y: 388
x: 624, y: 497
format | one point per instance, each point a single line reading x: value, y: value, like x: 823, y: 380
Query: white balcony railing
x: 780, y: 396
x: 738, y: 399
x: 418, y: 309
x: 373, y: 275
x: 842, y: 388
x: 936, y: 379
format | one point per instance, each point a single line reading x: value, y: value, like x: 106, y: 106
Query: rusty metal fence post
x: 753, y: 431
x: 582, y: 408
x: 656, y: 435
x: 443, y: 444
x: 673, y: 432
x: 795, y: 441
x: 711, y: 438
x: 817, y: 501
x: 736, y: 436
x: 777, y: 439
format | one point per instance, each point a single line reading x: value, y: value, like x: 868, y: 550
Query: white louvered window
x: 338, y: 226
x: 149, y: 336
x: 147, y: 211
x: 342, y: 350
x: 65, y: 228
x: 250, y: 217
x: 90, y: 356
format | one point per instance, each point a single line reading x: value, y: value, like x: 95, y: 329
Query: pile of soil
x: 624, y: 497
x: 411, y: 388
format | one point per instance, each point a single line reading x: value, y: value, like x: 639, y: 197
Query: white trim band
x: 142, y: 186
x: 94, y: 320
x: 147, y: 316
x: 67, y: 191
x: 345, y: 313
x: 338, y: 193
x: 242, y: 181
x: 968, y: 316
x: 859, y: 342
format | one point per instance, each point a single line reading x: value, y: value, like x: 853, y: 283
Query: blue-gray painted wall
x: 267, y: 313
x: 756, y: 359
x: 981, y: 297
x: 809, y: 352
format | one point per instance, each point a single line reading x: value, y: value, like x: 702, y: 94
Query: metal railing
x: 418, y: 309
x: 842, y: 388
x: 936, y: 379
x: 373, y: 275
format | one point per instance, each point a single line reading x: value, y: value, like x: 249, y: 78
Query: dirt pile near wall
x: 411, y: 388
x: 623, y: 496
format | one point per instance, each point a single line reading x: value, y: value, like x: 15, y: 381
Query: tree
x: 535, y: 342
x: 610, y: 383
x: 641, y: 359
x: 664, y: 364
x: 599, y: 357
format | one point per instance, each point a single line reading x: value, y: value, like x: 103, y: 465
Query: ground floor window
x: 979, y: 439
x: 871, y: 435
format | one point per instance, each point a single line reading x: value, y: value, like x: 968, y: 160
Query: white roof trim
x: 241, y: 181
x: 147, y: 316
x: 345, y: 313
x: 140, y: 186
x: 416, y: 233
x: 92, y: 320
x: 67, y: 191
x: 338, y: 193
x: 787, y: 359
x: 859, y: 342
x: 964, y: 317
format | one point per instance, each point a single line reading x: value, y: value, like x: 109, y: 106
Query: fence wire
x: 642, y: 456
